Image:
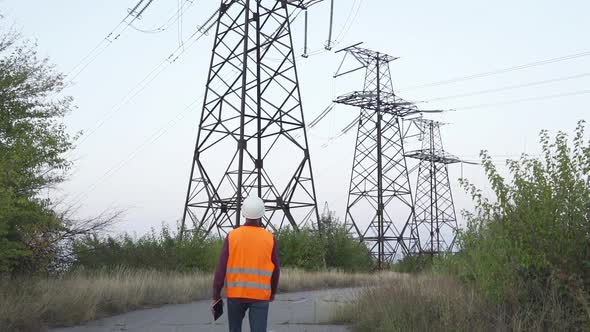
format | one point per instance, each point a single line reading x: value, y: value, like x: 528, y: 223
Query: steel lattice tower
x: 251, y: 137
x: 380, y: 202
x: 435, y: 221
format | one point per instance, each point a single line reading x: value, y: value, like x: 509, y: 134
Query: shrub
x: 161, y: 251
x: 303, y: 249
x: 532, y: 245
x: 332, y: 248
x: 414, y: 264
x: 341, y: 250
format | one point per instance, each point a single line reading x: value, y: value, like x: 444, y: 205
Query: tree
x: 33, y: 145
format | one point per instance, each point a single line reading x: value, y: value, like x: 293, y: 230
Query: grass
x: 434, y: 301
x: 416, y: 303
x: 293, y: 280
x: 34, y: 304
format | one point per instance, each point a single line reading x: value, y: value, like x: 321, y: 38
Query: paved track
x: 305, y: 311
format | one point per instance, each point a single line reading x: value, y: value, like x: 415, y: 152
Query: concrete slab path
x: 290, y: 312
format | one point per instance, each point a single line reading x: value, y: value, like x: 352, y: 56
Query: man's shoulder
x: 267, y: 232
x: 258, y: 229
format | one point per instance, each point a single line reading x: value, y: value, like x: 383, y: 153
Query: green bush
x: 533, y: 242
x: 414, y: 264
x: 303, y: 249
x: 307, y: 249
x: 332, y: 248
x: 341, y: 251
x: 161, y: 251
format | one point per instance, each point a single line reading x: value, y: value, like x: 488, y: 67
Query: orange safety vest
x: 249, y: 265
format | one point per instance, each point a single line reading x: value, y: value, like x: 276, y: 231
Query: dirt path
x: 304, y: 311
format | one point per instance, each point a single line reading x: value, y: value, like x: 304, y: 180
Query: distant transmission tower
x: 251, y: 137
x: 380, y: 202
x: 435, y: 221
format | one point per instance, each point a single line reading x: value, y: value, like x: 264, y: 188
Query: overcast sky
x: 137, y: 148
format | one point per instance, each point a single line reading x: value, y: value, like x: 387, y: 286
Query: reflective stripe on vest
x: 245, y: 284
x: 249, y: 264
x: 250, y: 271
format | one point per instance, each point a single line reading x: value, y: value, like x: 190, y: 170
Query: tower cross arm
x: 387, y: 103
x: 437, y: 157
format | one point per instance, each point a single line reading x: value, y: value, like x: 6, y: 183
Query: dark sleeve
x: 277, y: 271
x: 219, y: 278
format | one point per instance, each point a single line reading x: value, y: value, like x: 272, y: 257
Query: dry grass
x: 415, y: 303
x: 34, y: 304
x: 429, y: 301
x: 298, y: 280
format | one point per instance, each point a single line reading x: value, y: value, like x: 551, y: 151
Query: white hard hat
x: 253, y: 207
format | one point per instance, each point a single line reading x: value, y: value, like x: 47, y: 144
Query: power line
x: 144, y: 83
x: 345, y: 29
x: 523, y: 100
x: 500, y: 71
x: 351, y: 125
x: 180, y: 13
x: 108, y: 40
x: 153, y: 138
x: 151, y: 76
x: 352, y: 15
x: 510, y: 87
x: 321, y: 116
x: 130, y: 156
x: 173, y: 19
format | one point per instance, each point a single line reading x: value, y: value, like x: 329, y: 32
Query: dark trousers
x: 257, y: 314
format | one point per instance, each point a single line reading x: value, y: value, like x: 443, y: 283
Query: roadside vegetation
x: 161, y: 250
x: 112, y: 275
x: 524, y: 258
x: 36, y: 303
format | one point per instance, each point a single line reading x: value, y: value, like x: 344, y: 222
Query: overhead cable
x: 151, y: 76
x: 112, y: 36
x: 501, y: 71
x: 173, y: 19
x: 523, y: 100
x: 507, y: 88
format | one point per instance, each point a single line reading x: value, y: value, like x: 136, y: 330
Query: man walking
x: 249, y: 267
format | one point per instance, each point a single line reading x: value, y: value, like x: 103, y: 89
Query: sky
x: 136, y: 150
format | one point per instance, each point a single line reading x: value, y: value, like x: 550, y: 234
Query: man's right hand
x: 213, y: 302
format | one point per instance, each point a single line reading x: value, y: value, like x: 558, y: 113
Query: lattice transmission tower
x: 435, y: 222
x: 251, y: 137
x: 380, y: 203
